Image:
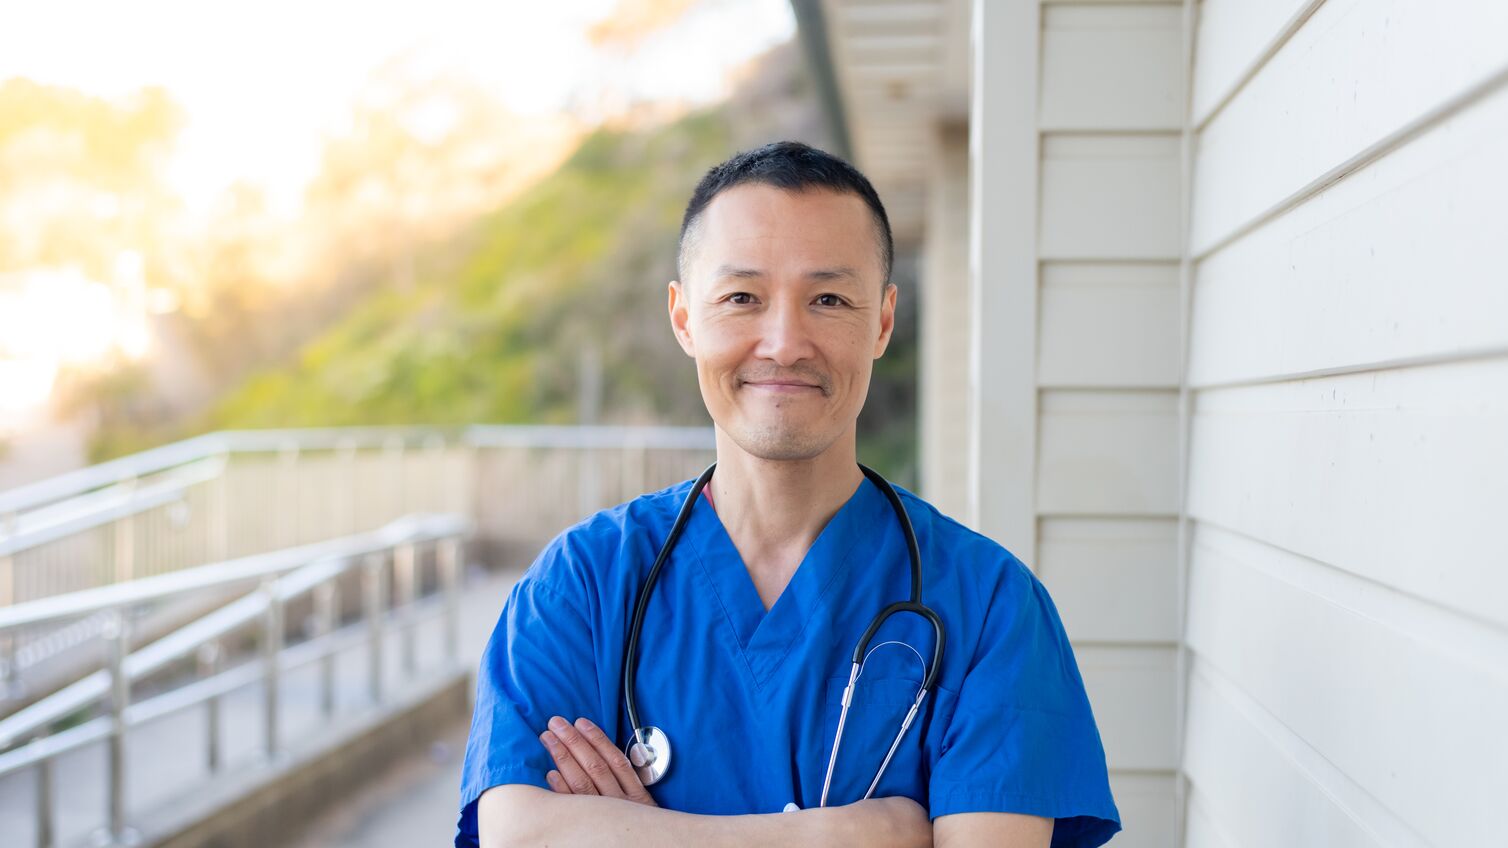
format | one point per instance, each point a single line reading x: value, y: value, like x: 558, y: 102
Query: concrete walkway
x: 166, y: 759
x: 415, y: 803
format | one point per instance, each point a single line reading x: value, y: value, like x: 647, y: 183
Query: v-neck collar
x: 767, y: 637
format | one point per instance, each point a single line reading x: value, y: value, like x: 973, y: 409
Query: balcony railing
x: 388, y: 557
x: 238, y: 493
x: 178, y: 560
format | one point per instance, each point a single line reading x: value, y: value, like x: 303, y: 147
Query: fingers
x: 589, y: 763
x: 627, y: 778
x: 588, y: 758
x: 572, y: 774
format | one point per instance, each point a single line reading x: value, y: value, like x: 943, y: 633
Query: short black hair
x: 792, y: 166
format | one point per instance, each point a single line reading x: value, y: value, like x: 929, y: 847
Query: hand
x: 590, y: 764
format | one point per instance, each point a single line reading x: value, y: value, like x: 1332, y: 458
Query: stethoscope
x: 649, y: 750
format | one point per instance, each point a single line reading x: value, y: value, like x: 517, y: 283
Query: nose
x: 785, y: 335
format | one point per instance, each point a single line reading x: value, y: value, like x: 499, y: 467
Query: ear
x: 887, y: 320
x: 679, y: 317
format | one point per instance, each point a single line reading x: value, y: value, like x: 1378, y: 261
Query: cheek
x: 715, y: 356
x: 857, y: 334
x: 852, y: 353
x: 723, y: 341
x: 715, y: 365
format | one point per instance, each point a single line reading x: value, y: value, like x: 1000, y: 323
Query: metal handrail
x: 48, y: 528
x: 73, y: 483
x: 97, y: 508
x: 175, y: 507
x: 315, y: 563
x: 162, y: 586
x: 281, y: 577
x: 571, y: 436
x: 169, y: 456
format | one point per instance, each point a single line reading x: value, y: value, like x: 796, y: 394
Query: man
x: 784, y: 302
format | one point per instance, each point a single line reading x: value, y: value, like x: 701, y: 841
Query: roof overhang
x: 889, y: 73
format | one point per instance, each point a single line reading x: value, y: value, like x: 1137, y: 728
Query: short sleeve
x: 1022, y: 738
x: 537, y: 663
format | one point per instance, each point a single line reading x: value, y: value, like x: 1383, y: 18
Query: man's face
x: 785, y: 313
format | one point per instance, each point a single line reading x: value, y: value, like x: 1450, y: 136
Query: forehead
x: 761, y: 223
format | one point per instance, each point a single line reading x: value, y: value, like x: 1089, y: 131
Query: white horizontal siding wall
x: 1348, y: 460
x: 943, y: 381
x: 1078, y: 248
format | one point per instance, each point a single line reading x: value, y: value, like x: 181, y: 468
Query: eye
x: 741, y: 298
x: 829, y: 300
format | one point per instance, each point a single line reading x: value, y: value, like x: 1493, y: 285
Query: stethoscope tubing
x: 636, y: 626
x: 644, y: 755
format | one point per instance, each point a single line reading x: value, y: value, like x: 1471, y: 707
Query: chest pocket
x: 879, y: 706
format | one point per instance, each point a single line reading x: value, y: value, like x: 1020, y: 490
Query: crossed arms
x: 596, y: 799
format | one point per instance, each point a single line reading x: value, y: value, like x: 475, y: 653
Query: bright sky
x: 260, y: 81
x: 263, y: 82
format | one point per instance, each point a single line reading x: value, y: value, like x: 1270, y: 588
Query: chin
x: 780, y: 444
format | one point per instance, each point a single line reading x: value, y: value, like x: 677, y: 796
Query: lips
x: 783, y: 387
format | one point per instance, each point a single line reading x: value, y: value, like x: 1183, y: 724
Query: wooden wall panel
x: 1132, y: 692
x: 1145, y: 800
x: 1109, y: 197
x: 1113, y: 579
x: 1365, y: 677
x: 1353, y: 75
x: 1398, y: 476
x: 1112, y: 67
x: 1108, y: 453
x: 1109, y: 325
x: 1403, y: 260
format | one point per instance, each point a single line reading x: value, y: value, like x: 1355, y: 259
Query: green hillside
x: 493, y: 327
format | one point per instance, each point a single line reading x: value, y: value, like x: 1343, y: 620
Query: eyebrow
x: 834, y: 273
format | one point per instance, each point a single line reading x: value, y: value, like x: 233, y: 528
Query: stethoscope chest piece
x: 649, y: 753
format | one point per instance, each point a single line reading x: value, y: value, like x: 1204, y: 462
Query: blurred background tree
x: 451, y: 262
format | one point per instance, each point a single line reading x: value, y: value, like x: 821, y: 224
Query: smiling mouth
x: 784, y: 387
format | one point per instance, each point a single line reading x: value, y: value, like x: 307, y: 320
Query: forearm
x: 584, y: 820
x: 518, y: 815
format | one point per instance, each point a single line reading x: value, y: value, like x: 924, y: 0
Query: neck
x: 774, y: 510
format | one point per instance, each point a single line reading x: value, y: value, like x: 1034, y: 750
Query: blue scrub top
x: 750, y: 699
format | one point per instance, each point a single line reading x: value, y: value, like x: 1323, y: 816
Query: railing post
x: 405, y: 583
x: 392, y: 449
x: 117, y: 640
x: 434, y: 459
x: 272, y: 648
x: 125, y: 540
x: 46, y: 827
x: 210, y: 657
x: 376, y: 590
x: 345, y: 486
x: 219, y: 512
x: 638, y: 460
x: 327, y: 619
x: 467, y: 479
x: 449, y: 556
x: 288, y: 495
x: 9, y: 672
x: 588, y: 479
